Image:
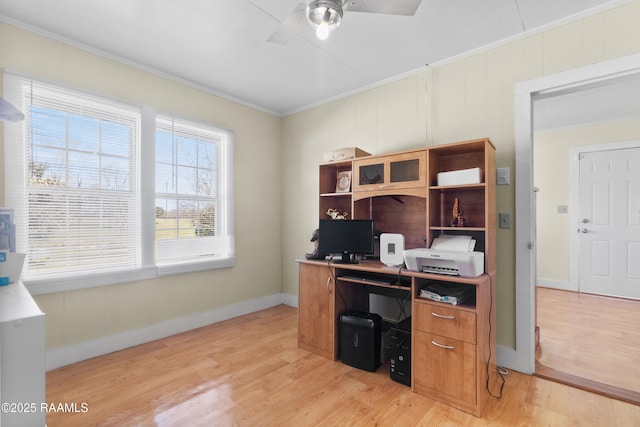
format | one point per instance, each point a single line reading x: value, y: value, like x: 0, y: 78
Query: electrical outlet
x: 502, y: 175
x: 505, y: 220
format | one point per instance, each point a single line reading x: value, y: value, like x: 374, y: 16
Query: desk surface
x: 379, y: 268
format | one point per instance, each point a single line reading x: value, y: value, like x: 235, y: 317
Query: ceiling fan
x: 326, y: 15
x: 9, y: 112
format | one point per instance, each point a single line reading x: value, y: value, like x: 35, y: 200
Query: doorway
x: 588, y: 216
x: 523, y: 357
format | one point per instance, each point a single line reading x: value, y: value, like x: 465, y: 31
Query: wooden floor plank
x: 249, y: 371
x: 590, y: 341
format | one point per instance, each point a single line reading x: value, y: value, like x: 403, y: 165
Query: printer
x: 448, y: 254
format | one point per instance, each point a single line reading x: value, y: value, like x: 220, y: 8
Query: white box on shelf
x: 460, y: 177
x: 346, y: 153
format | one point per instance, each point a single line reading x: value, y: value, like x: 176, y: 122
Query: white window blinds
x: 193, y: 192
x: 74, y: 174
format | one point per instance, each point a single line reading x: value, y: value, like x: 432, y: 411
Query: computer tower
x: 400, y: 362
x: 360, y: 340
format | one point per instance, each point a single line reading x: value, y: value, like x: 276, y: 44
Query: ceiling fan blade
x: 9, y: 112
x: 395, y: 7
x: 290, y: 27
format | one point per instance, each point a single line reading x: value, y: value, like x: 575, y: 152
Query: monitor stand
x: 347, y: 258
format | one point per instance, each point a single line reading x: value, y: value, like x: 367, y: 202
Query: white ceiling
x: 221, y: 45
x: 617, y: 99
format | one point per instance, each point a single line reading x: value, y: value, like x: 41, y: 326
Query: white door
x: 609, y: 222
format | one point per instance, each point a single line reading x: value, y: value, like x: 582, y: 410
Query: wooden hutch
x: 453, y: 346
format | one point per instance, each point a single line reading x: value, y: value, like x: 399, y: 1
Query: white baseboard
x: 557, y: 284
x: 88, y: 349
x: 290, y: 300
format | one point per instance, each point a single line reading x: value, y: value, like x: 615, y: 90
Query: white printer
x: 451, y: 255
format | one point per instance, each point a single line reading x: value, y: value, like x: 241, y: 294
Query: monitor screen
x: 346, y: 237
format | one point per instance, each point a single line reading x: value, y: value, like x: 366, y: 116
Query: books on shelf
x: 448, y: 292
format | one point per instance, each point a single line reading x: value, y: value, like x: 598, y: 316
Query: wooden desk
x: 453, y: 347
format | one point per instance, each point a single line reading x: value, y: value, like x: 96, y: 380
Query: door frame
x: 574, y: 187
x: 522, y: 358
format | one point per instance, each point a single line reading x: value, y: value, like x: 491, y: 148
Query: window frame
x: 226, y: 226
x: 148, y: 267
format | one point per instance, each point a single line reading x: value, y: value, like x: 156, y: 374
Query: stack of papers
x: 450, y: 293
x: 448, y: 242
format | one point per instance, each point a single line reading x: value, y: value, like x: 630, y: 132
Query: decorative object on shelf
x: 315, y: 237
x: 375, y: 177
x: 343, y: 182
x: 334, y: 214
x: 458, y: 217
x: 344, y: 154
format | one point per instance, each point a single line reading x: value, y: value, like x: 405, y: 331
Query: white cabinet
x: 22, y: 358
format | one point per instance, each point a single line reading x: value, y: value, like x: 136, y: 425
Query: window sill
x: 93, y: 280
x: 190, y: 266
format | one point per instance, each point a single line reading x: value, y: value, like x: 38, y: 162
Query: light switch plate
x: 502, y: 175
x: 505, y: 220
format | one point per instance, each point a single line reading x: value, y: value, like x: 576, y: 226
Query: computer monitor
x: 346, y: 237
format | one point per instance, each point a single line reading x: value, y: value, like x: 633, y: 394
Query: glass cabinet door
x: 404, y: 170
x: 399, y: 171
x: 371, y: 174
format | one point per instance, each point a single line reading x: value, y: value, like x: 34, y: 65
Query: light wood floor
x: 591, y: 340
x: 248, y: 371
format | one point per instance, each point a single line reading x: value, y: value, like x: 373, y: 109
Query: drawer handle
x: 441, y: 316
x: 448, y: 347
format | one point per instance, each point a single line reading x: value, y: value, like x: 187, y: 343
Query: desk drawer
x: 445, y: 366
x: 446, y: 321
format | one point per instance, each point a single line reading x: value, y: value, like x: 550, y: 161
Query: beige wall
x: 551, y: 163
x: 467, y: 98
x: 73, y: 317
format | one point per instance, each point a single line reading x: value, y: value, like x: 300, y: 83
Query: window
x: 76, y: 182
x: 191, y: 191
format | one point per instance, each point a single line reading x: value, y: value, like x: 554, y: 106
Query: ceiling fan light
x: 322, y: 32
x: 324, y: 16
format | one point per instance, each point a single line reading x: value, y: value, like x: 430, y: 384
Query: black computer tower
x: 400, y: 362
x: 360, y: 340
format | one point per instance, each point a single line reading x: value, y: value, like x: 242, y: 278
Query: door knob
x: 583, y: 230
x: 585, y: 220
